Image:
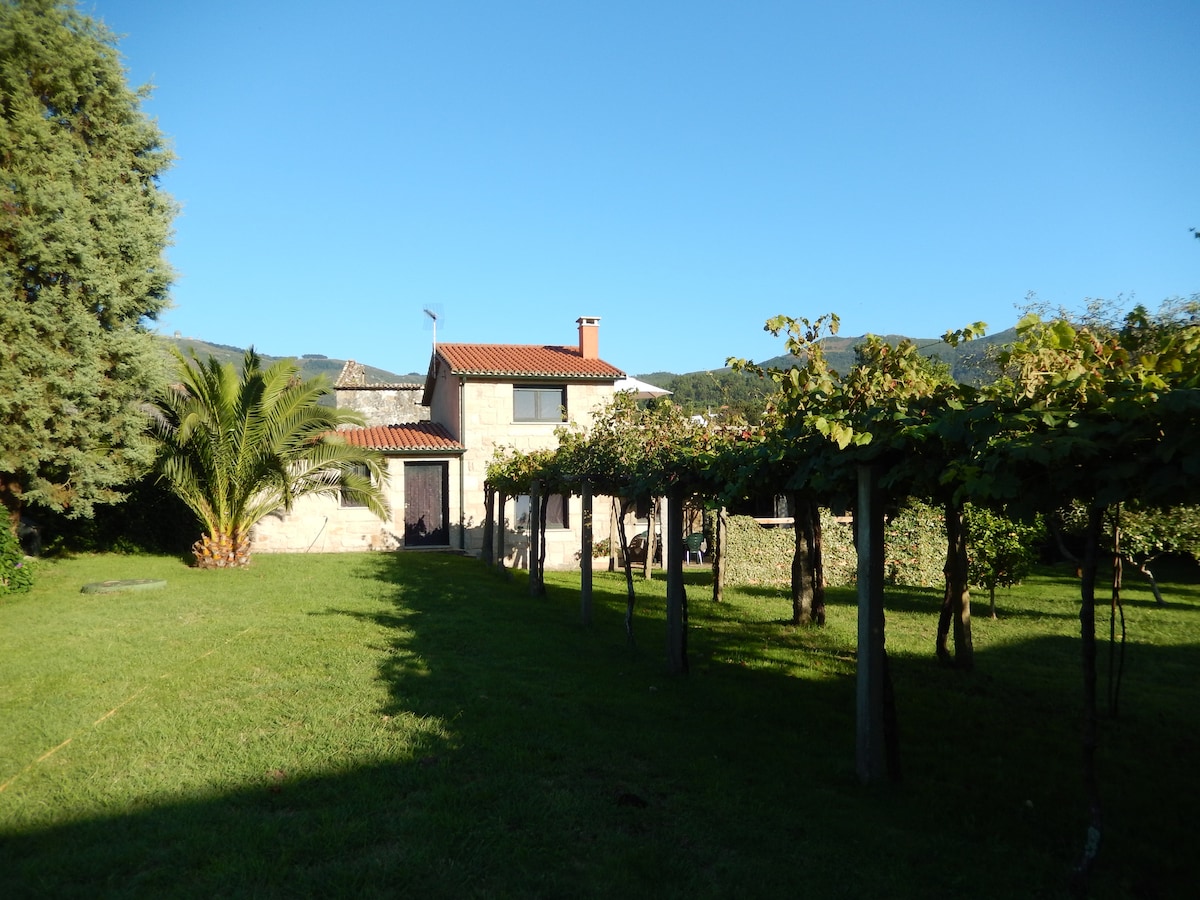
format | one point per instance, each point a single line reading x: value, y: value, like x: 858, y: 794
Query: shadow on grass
x: 542, y: 758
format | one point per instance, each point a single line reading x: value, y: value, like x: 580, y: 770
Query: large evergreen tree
x: 83, y: 227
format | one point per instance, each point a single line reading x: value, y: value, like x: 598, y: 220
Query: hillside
x: 701, y: 391
x: 967, y: 361
x: 710, y: 390
x: 311, y: 364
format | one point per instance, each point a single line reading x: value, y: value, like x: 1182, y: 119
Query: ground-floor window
x: 557, y: 510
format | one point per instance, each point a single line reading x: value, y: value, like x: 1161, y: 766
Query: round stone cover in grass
x: 126, y: 584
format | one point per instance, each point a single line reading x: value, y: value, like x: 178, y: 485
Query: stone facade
x: 323, y: 525
x: 488, y: 425
x: 380, y: 404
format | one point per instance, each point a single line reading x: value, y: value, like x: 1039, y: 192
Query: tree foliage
x: 83, y: 227
x: 1002, y: 551
x: 722, y: 395
x: 1094, y: 410
x: 16, y: 576
x: 235, y: 448
x: 1148, y: 533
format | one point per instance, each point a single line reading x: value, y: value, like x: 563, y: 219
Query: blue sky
x: 684, y: 170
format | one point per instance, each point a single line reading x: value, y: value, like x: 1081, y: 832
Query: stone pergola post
x: 536, y: 587
x: 871, y: 754
x: 677, y: 661
x: 585, y: 557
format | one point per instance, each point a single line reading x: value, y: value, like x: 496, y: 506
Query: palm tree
x: 236, y: 447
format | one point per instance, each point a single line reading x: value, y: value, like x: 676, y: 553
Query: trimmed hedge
x: 914, y: 547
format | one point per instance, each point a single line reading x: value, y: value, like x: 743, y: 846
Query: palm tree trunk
x: 222, y: 551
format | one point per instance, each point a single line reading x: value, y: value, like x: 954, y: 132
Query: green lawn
x: 418, y: 726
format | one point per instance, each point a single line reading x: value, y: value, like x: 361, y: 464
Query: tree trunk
x: 629, y: 595
x: 1144, y: 568
x: 1116, y: 656
x: 1087, y: 631
x: 720, y: 532
x: 1056, y: 533
x: 585, y: 557
x: 10, y: 499
x: 612, y: 538
x: 222, y: 551
x: 808, y: 576
x: 541, y: 542
x: 651, y: 540
x: 956, y: 600
x: 489, y: 524
x: 501, y: 529
x: 942, y: 646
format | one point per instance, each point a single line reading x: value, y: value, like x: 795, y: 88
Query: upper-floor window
x: 539, y: 403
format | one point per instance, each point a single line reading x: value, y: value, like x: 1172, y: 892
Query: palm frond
x: 237, y: 446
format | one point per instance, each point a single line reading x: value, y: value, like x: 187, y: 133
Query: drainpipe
x: 462, y: 465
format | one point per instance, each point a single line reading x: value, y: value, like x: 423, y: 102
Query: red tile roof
x: 425, y: 437
x: 524, y: 361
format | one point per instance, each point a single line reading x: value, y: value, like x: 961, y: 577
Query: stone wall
x: 320, y: 524
x: 383, y: 404
x: 380, y: 404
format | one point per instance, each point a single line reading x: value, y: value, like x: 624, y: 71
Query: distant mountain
x: 712, y: 389
x: 311, y: 364
x: 968, y: 361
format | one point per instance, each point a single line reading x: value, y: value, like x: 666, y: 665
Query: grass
x: 415, y: 725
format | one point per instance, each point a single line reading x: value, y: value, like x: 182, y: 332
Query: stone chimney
x: 589, y: 337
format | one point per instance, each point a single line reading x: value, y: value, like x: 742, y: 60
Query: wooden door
x: 426, y: 504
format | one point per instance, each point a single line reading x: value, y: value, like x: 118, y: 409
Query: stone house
x: 476, y: 398
x: 380, y: 404
x: 422, y: 458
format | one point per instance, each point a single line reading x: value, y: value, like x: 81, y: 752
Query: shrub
x: 149, y: 520
x: 1002, y: 551
x: 914, y: 542
x: 758, y: 555
x: 914, y: 546
x: 16, y: 575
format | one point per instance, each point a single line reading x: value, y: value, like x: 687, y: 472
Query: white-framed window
x: 539, y: 403
x: 557, y: 512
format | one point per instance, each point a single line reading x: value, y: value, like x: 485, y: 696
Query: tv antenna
x: 432, y: 315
